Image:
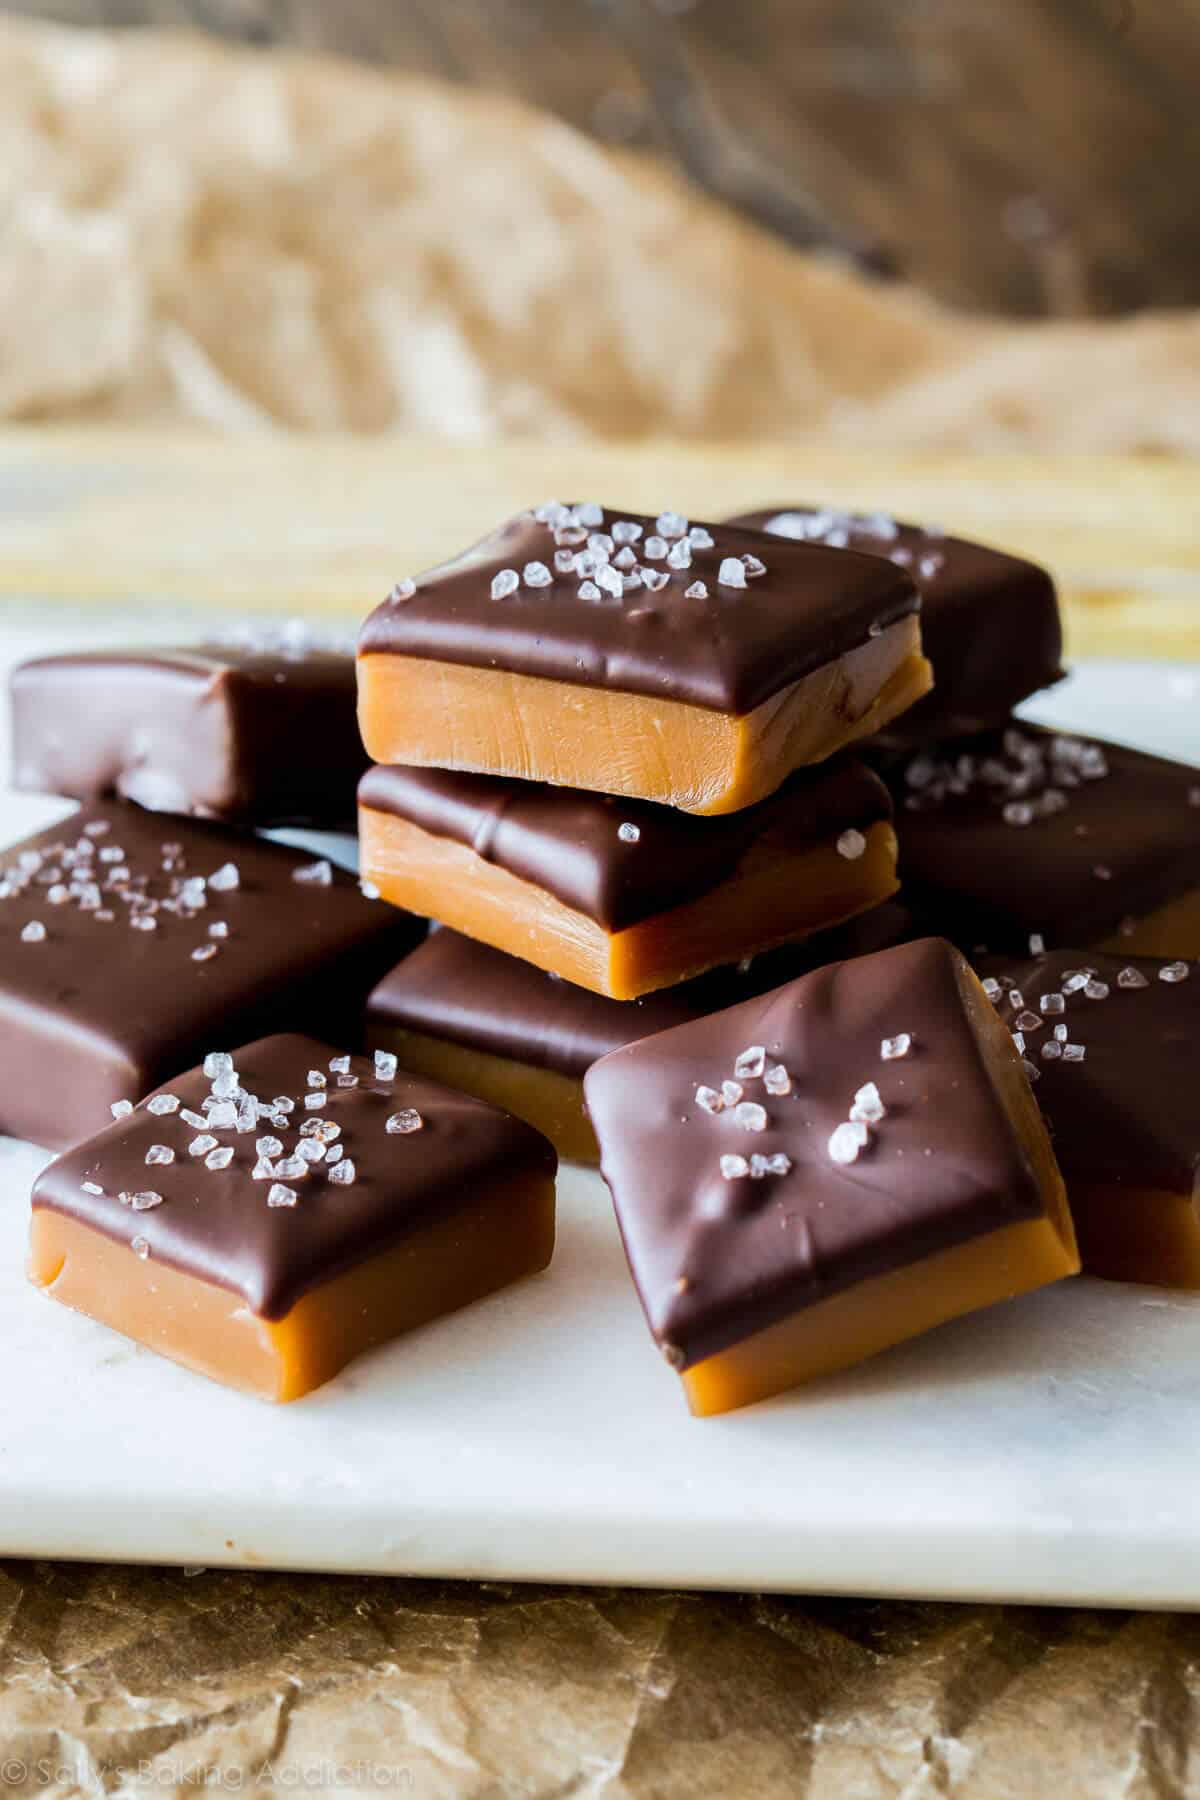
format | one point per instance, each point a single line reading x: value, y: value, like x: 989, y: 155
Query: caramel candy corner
x: 1113, y: 1047
x: 267, y: 1256
x: 817, y: 1174
x: 698, y: 669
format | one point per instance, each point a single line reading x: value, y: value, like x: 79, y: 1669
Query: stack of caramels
x: 612, y: 747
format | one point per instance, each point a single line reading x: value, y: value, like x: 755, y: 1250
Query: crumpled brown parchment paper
x: 247, y: 239
x: 139, y: 1681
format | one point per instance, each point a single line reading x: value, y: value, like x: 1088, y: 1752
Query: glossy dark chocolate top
x: 252, y: 736
x: 125, y: 947
x: 989, y: 621
x: 450, y: 987
x: 620, y: 861
x: 1127, y: 1114
x: 715, y: 1259
x: 217, y: 1223
x: 1027, y: 831
x: 727, y: 650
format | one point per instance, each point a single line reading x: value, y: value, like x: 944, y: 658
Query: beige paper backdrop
x: 254, y: 241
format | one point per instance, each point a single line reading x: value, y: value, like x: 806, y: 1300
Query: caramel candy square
x: 252, y: 736
x: 1112, y: 1046
x: 267, y: 1217
x: 128, y: 940
x: 1028, y: 832
x: 622, y: 896
x: 989, y: 621
x: 497, y: 1027
x: 692, y: 665
x: 824, y: 1171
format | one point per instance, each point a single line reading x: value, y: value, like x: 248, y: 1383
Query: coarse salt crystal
x: 403, y: 590
x: 368, y: 889
x: 204, y: 953
x: 709, y: 1100
x: 671, y: 525
x: 732, y: 572
x: 339, y: 1065
x: 159, y: 1153
x: 404, y: 1122
x: 753, y: 566
x: 1132, y: 978
x: 655, y: 548
x: 991, y: 988
x: 655, y: 579
x: 219, y: 1158
x: 1074, y: 1052
x: 680, y: 555
x: 505, y: 583
x: 751, y: 1063
x: 1017, y: 812
x: 121, y: 1109
x: 200, y: 1146
x: 588, y: 590
x: 536, y: 575
x: 734, y: 1167
x: 315, y: 1101
x: 196, y: 1120
x: 225, y: 879
x: 1051, y: 1050
x: 845, y: 1144
x: 1018, y: 1038
x: 34, y: 932
x: 385, y: 1065
x: 263, y: 1170
x: 750, y: 1115
x: 778, y: 1164
x: 314, y: 874
x: 140, y: 1247
x: 628, y: 834
x: 1060, y: 1033
x: 697, y: 591
x: 589, y: 513
x: 868, y: 1107
x: 777, y: 1081
x: 892, y: 1047
x: 1032, y: 1072
x: 145, y: 1201
x: 1028, y: 1021
x: 1096, y: 990
x: 1052, y: 1003
x: 223, y: 1115
x: 1176, y: 971
x: 278, y: 1195
x: 269, y: 1146
x: 343, y: 1172
x: 1037, y: 944
x: 851, y: 845
x: 316, y: 1079
x: 731, y: 1092
x: 625, y: 531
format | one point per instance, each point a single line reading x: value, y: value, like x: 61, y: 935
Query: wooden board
x: 319, y: 525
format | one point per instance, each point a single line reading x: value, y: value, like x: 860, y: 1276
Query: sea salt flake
x: 343, y: 1172
x: 709, y: 1100
x: 751, y: 1063
x: 200, y: 1146
x: 269, y: 1146
x: 278, y: 1195
x: 697, y: 591
x: 892, y: 1047
x: 292, y: 1168
x: 403, y: 1122
x: 223, y: 1115
x: 844, y: 1144
x: 225, y: 879
x: 1173, y: 972
x: 385, y: 1065
x: 34, y: 932
x: 505, y: 583
x: 734, y: 1167
x: 121, y: 1109
x: 196, y: 1120
x: 732, y: 572
x: 314, y: 874
x: 309, y: 1150
x: 868, y: 1107
x: 1132, y: 978
x: 750, y: 1116
x: 159, y: 1153
x: 219, y: 1158
x: 263, y: 1170
x: 225, y: 1085
x: 777, y: 1081
x: 851, y: 845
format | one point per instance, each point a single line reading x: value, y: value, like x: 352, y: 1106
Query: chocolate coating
x: 568, y: 842
x: 251, y: 737
x: 453, y: 988
x: 717, y: 1260
x: 216, y: 1225
x: 1117, y: 845
x: 727, y: 653
x: 99, y: 1010
x: 1126, y: 1115
x: 989, y: 621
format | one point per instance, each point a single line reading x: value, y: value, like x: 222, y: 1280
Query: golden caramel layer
x: 443, y: 715
x: 855, y: 1324
x: 1137, y: 1234
x: 550, y: 1102
x: 1171, y: 931
x: 211, y: 1330
x: 774, y: 896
